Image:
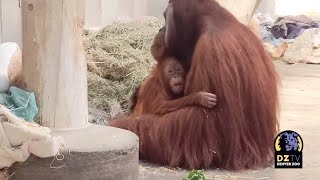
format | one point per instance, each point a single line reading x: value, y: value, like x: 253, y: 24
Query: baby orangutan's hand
x: 208, y: 100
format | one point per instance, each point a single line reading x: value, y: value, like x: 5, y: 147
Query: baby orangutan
x: 167, y: 81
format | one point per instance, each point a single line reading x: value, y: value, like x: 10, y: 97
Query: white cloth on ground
x: 19, y: 139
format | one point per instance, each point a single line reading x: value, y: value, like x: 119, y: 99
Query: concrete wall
x: 290, y: 7
x: 99, y: 13
x: 10, y: 21
x: 297, y: 7
x: 267, y: 7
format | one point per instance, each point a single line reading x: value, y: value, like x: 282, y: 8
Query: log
x: 54, y: 64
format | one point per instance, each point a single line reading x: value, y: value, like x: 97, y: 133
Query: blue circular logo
x: 288, y: 147
x: 288, y: 141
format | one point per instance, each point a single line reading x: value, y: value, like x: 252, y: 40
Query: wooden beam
x: 54, y: 64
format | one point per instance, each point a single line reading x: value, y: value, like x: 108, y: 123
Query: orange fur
x: 228, y: 60
x: 159, y: 99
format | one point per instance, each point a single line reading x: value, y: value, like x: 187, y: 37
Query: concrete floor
x: 300, y: 101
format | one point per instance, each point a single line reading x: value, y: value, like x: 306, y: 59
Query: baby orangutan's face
x: 174, y: 74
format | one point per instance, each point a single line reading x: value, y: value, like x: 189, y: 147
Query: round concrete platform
x: 95, y: 152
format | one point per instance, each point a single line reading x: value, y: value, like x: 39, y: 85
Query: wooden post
x: 54, y: 64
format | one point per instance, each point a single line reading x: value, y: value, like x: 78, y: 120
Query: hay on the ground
x: 119, y: 59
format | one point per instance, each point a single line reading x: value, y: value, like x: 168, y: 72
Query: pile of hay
x: 119, y: 59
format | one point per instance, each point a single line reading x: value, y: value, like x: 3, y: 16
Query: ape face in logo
x: 291, y: 141
x: 288, y: 150
x: 288, y: 142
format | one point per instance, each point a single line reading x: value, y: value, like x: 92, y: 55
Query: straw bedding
x: 119, y: 59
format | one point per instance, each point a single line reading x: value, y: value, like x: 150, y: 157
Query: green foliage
x: 196, y: 175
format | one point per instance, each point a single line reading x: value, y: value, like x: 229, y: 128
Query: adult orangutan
x: 225, y: 58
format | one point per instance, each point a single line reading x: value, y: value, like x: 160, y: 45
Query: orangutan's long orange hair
x: 228, y: 60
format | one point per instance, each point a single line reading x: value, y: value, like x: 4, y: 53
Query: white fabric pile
x: 19, y: 139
